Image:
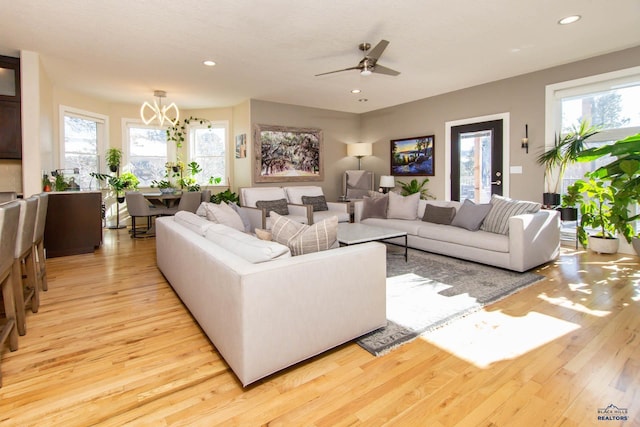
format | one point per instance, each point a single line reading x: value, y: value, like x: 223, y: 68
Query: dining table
x: 163, y: 200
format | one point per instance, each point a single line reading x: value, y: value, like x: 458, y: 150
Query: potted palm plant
x: 414, y: 186
x: 565, y: 151
x: 598, y: 211
x: 568, y: 210
x: 113, y: 159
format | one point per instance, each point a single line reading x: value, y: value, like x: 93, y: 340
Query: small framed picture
x: 241, y: 146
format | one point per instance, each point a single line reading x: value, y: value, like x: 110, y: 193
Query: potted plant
x: 597, y: 211
x: 565, y: 151
x: 113, y: 159
x: 623, y: 174
x: 414, y: 186
x: 225, y: 196
x: 164, y: 185
x: 119, y: 184
x: 568, y: 210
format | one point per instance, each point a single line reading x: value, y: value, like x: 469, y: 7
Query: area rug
x: 431, y: 290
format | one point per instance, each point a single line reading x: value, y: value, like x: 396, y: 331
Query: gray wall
x: 522, y: 96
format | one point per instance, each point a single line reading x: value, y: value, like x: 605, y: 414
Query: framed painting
x: 241, y: 146
x: 287, y: 154
x: 413, y: 156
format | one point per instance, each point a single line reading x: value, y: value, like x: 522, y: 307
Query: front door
x: 476, y: 161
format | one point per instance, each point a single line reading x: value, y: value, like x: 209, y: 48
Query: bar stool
x: 38, y: 241
x: 25, y: 289
x: 9, y: 218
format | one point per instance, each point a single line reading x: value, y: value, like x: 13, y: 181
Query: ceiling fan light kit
x: 369, y: 64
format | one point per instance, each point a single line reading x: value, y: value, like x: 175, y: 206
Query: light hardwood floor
x: 112, y: 345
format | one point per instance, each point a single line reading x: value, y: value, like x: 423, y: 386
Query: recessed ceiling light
x: 209, y: 63
x: 569, y: 19
x: 362, y: 100
x: 356, y: 91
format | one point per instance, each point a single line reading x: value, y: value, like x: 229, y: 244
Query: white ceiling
x: 122, y: 50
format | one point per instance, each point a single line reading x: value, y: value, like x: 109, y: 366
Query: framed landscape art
x: 413, y: 156
x: 287, y: 154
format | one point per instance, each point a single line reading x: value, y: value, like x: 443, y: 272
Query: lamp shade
x: 360, y: 149
x: 387, y: 181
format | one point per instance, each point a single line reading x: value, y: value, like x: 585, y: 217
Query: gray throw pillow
x: 502, y: 208
x: 438, y: 214
x: 278, y: 206
x: 319, y: 203
x: 470, y: 215
x: 374, y: 207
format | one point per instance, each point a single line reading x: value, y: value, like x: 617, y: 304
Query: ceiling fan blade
x: 339, y: 71
x: 377, y: 51
x: 384, y: 70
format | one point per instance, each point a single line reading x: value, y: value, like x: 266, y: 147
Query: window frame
x: 102, y: 134
x: 190, y: 149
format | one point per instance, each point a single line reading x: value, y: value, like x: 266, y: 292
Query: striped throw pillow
x: 502, y: 208
x: 304, y: 239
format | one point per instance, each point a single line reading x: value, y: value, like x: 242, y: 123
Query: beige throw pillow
x: 403, y: 207
x: 304, y: 239
x: 224, y: 214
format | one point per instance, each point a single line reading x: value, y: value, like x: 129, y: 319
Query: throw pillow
x: 438, y: 214
x: 278, y: 206
x: 202, y: 211
x: 374, y: 207
x: 502, y: 208
x: 403, y: 207
x: 263, y: 234
x: 470, y: 215
x: 319, y: 203
x: 243, y: 216
x: 304, y: 239
x: 224, y: 214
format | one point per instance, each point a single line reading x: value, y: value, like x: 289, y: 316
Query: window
x: 207, y: 147
x: 83, y: 139
x: 147, y: 151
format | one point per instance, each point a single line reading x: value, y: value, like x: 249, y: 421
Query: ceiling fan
x: 369, y: 64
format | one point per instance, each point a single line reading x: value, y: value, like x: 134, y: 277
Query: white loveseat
x: 532, y: 240
x: 266, y: 315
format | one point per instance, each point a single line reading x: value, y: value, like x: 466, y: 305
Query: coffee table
x: 354, y: 233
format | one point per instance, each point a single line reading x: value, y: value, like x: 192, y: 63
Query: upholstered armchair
x: 257, y: 202
x: 357, y: 183
x: 314, y: 196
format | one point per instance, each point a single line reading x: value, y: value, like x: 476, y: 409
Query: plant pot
x: 120, y: 199
x: 604, y: 245
x: 550, y: 199
x: 175, y: 168
x: 167, y: 190
x: 568, y: 214
x: 113, y: 168
x: 635, y: 242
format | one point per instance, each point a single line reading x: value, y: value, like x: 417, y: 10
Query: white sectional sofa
x: 532, y: 240
x: 263, y: 309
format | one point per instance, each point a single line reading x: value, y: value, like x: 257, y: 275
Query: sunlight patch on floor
x: 483, y: 338
x: 567, y: 303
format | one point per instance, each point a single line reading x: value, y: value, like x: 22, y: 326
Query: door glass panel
x: 7, y: 82
x: 475, y: 166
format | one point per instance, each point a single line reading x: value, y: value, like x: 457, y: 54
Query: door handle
x: 498, y: 182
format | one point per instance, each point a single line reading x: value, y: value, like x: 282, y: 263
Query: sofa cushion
x: 224, y: 214
x: 303, y: 239
x: 460, y: 236
x: 319, y: 203
x: 243, y: 216
x: 295, y: 194
x: 250, y: 195
x: 439, y: 215
x: 278, y: 206
x: 502, y: 208
x: 322, y: 215
x: 263, y: 234
x: 470, y: 215
x: 192, y: 221
x: 374, y: 207
x: 403, y: 207
x: 245, y: 245
x: 411, y: 227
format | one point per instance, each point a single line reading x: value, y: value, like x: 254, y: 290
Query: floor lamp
x: 359, y: 150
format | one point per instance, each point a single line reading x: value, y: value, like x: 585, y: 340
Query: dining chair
x: 38, y: 241
x: 9, y: 218
x: 138, y: 206
x: 25, y: 290
x: 189, y: 201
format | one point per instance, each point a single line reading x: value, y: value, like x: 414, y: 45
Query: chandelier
x: 159, y: 112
